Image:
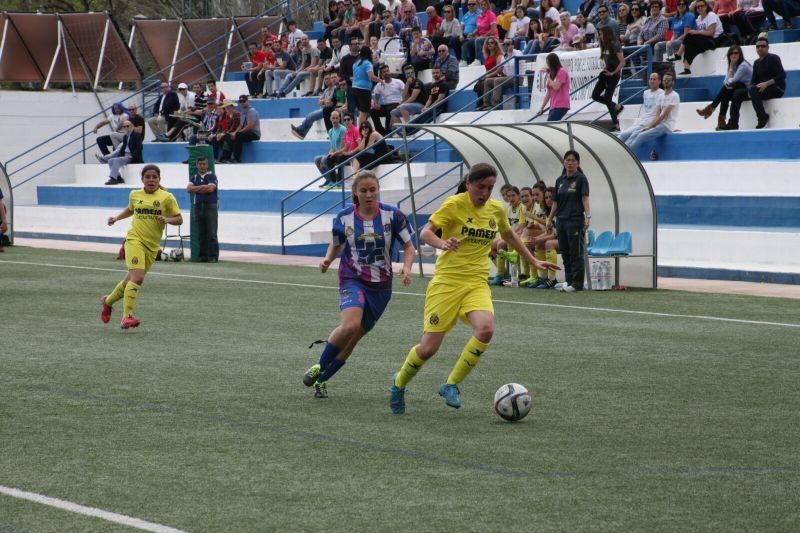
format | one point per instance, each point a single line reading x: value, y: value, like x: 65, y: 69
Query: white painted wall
x: 29, y: 117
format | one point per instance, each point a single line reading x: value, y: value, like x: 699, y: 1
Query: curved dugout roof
x: 620, y: 192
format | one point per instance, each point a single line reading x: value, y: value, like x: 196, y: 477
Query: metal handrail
x: 147, y: 85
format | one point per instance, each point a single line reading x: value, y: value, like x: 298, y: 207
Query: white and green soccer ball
x: 512, y: 402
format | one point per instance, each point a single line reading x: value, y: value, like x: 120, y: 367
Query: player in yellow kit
x: 151, y: 207
x: 469, y: 223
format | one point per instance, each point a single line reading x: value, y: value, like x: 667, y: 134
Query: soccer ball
x: 176, y: 255
x: 512, y: 402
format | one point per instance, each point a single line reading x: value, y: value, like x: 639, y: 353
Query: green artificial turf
x: 198, y: 419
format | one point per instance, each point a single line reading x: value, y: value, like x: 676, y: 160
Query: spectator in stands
x: 538, y: 41
x: 448, y: 33
x: 421, y: 50
x: 623, y: 19
x: 566, y: 31
x: 325, y: 100
x: 682, y: 21
x: 408, y: 23
x: 589, y: 8
x: 208, y: 120
x: 437, y: 92
x: 654, y: 29
x: 373, y: 26
x: 349, y: 24
x: 339, y: 99
x: 697, y: 41
x: 785, y: 8
x: 363, y: 76
x: 249, y: 130
x: 748, y: 17
x: 449, y: 66
x: 604, y: 19
x: 415, y: 96
x: 737, y: 79
x: 285, y: 64
x: 267, y: 37
x: 227, y: 123
x: 768, y: 82
x: 213, y: 94
x: 253, y: 70
x: 722, y: 8
x: 486, y: 26
x: 203, y: 185
x: 518, y: 30
x: 269, y: 66
x: 494, y: 56
x: 634, y: 27
x: 346, y: 65
x: 395, y: 8
x: 390, y: 43
x: 136, y: 119
x: 375, y: 50
x: 332, y: 22
x: 324, y: 54
x: 651, y: 98
x: 351, y: 136
x: 386, y: 96
x: 293, y: 34
x: 118, y: 115
x: 493, y: 87
x: 128, y: 151
x: 434, y: 20
x: 372, y: 145
x: 586, y: 30
x: 363, y: 17
x: 558, y: 85
x: 611, y: 52
x: 469, y: 27
x: 548, y: 15
x: 186, y: 105
x: 335, y: 153
x: 389, y: 17
x: 162, y: 119
x: 337, y: 52
x: 309, y: 59
x: 665, y: 119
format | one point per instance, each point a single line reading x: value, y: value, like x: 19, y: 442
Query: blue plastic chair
x: 589, y: 238
x: 601, y: 244
x: 622, y: 244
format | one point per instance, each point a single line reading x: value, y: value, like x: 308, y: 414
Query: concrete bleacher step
x: 783, y: 36
x: 784, y: 114
x: 710, y: 145
x: 733, y: 253
x: 251, y: 231
x: 744, y: 178
x: 714, y: 62
x: 295, y: 151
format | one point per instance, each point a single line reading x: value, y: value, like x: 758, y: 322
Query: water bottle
x: 595, y: 274
x: 606, y: 275
x: 513, y: 271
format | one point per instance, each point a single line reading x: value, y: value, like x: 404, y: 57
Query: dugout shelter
x: 621, y: 195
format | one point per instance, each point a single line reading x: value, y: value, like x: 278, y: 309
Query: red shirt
x: 491, y: 62
x: 433, y: 23
x: 258, y: 57
x: 270, y: 37
x: 362, y: 14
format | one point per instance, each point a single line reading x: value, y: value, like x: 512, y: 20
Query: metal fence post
x: 83, y: 141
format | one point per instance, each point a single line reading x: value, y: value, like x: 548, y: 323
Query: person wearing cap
x: 181, y: 128
x: 166, y: 104
x: 249, y: 130
x: 118, y: 114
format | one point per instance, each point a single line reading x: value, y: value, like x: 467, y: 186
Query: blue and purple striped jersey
x: 366, y: 257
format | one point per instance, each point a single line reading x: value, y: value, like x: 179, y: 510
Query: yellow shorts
x: 448, y: 300
x: 138, y: 256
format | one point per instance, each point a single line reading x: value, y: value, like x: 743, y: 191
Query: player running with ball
x: 152, y: 207
x: 469, y: 223
x: 363, y: 235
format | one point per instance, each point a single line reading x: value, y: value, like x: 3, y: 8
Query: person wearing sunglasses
x: 634, y: 27
x: 604, y: 19
x: 469, y: 26
x: 768, y: 82
x: 448, y: 32
x: 129, y: 151
x: 701, y: 39
x: 737, y: 79
x: 682, y: 21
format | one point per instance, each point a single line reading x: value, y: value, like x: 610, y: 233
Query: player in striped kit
x: 363, y: 235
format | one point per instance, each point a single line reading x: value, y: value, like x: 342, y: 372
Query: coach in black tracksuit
x: 572, y: 215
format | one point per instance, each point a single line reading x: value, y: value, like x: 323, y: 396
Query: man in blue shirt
x: 203, y: 186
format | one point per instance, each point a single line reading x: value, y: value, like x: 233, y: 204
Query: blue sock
x: 329, y: 353
x: 332, y: 368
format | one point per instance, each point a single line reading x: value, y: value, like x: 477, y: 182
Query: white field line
x: 88, y: 511
x: 512, y: 302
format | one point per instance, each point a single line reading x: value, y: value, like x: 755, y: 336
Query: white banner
x: 583, y: 66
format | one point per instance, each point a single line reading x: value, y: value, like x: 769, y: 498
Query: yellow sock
x: 541, y: 256
x: 131, y: 292
x: 116, y: 294
x: 552, y: 257
x: 410, y: 368
x: 500, y: 263
x: 524, y: 267
x: 469, y: 358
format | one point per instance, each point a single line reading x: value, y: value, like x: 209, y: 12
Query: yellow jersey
x: 145, y: 228
x: 475, y: 228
